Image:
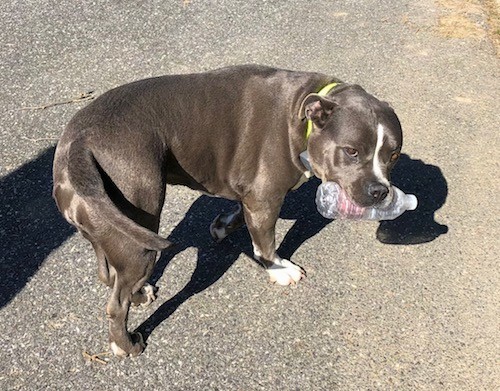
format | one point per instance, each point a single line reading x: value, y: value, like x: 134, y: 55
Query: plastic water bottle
x: 333, y: 203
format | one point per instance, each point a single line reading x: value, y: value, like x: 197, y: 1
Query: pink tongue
x: 347, y: 208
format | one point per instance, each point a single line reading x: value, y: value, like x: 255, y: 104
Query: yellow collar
x: 325, y: 90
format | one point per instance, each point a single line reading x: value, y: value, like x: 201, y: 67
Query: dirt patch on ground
x: 493, y: 10
x: 470, y: 19
x: 459, y: 26
x: 462, y: 6
x: 459, y: 19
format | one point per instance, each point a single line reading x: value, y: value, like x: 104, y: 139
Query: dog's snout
x: 377, y: 191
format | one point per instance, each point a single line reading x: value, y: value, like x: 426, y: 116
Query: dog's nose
x: 378, y: 191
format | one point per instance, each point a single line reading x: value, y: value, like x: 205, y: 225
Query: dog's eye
x: 351, y: 152
x: 394, y: 156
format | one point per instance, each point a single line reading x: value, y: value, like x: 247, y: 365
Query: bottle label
x: 333, y: 202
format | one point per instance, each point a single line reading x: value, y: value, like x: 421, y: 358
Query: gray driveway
x: 406, y: 305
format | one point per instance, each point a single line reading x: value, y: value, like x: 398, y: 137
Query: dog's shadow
x: 31, y: 227
x: 214, y: 259
x: 429, y: 185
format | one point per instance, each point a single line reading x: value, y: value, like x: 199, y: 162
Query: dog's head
x: 356, y: 140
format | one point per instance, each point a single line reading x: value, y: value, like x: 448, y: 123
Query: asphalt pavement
x: 411, y: 304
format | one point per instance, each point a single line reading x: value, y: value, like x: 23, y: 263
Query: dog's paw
x: 218, y: 229
x: 145, y: 296
x: 226, y: 223
x: 149, y: 291
x: 284, y: 272
x: 136, y: 347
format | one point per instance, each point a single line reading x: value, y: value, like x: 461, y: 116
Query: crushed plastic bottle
x: 333, y: 203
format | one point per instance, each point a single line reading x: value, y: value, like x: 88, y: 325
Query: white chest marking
x: 377, y: 168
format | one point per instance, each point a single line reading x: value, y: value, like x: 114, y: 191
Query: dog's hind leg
x: 131, y: 270
x: 145, y: 296
x: 103, y: 270
x: 102, y: 266
x: 143, y: 207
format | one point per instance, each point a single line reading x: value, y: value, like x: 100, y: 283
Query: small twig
x: 95, y: 357
x: 82, y: 98
x: 35, y: 140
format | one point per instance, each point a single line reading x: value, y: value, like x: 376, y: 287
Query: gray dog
x: 236, y: 133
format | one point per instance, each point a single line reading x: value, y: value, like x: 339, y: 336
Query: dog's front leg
x: 261, y: 217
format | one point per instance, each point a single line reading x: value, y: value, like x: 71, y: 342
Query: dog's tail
x: 87, y: 181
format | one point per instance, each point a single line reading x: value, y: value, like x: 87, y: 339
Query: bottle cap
x: 412, y: 202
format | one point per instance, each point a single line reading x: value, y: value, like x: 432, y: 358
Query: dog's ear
x: 316, y: 108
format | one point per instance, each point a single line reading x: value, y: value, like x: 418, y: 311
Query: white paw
x: 149, y: 291
x: 117, y: 351
x: 137, y: 347
x: 217, y: 233
x: 224, y: 224
x: 284, y: 272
